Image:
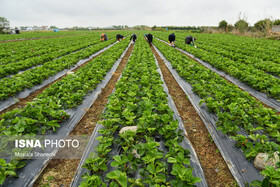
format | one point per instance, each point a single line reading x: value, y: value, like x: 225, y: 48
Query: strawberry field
x: 154, y: 115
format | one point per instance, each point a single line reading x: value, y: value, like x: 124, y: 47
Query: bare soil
x: 60, y: 172
x: 215, y: 168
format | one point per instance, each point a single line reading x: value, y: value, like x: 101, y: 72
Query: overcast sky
x: 102, y: 13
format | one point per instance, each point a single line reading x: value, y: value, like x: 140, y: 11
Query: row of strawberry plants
x: 248, y: 74
x: 139, y: 99
x: 262, y: 49
x: 29, y: 78
x: 229, y: 52
x: 266, y: 66
x: 39, y: 34
x: 60, y: 50
x: 47, y: 110
x: 16, y: 51
x: 13, y: 52
x: 234, y: 108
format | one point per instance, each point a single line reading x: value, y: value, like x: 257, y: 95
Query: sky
x: 104, y: 13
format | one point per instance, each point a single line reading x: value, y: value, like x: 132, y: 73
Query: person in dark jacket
x: 190, y: 40
x: 133, y: 37
x: 150, y: 38
x: 119, y: 37
x: 171, y: 39
x: 103, y: 37
x: 17, y: 30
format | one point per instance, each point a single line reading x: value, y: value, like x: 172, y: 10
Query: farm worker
x: 119, y: 37
x: 150, y: 39
x: 133, y: 37
x: 190, y: 40
x: 103, y: 37
x: 17, y: 30
x: 171, y: 39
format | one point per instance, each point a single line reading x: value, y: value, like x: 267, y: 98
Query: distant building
x: 34, y: 28
x: 44, y: 28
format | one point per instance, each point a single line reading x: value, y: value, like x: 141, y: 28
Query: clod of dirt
x: 132, y: 128
x: 263, y: 159
x: 69, y: 72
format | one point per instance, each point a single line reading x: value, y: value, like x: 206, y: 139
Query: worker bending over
x: 119, y: 37
x: 171, y: 39
x: 133, y: 37
x: 190, y: 40
x: 103, y: 37
x: 150, y: 38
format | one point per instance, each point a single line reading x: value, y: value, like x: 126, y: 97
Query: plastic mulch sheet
x: 197, y: 169
x: 28, y: 174
x: 242, y: 170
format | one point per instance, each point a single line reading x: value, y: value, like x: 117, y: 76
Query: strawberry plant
x: 247, y: 73
x: 8, y: 169
x: 118, y: 177
x: 48, y: 109
x: 9, y: 86
x: 139, y: 99
x: 271, y: 178
x: 234, y: 108
x: 64, y: 47
x: 32, y: 35
x: 96, y: 164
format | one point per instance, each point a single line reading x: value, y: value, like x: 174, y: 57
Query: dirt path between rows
x: 61, y: 171
x: 216, y: 170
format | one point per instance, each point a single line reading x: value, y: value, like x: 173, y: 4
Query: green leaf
x: 276, y: 182
x: 176, y: 167
x: 196, y: 180
x: 151, y: 168
x: 20, y: 164
x: 113, y: 174
x: 114, y: 184
x: 119, y: 176
x: 103, y: 167
x: 3, y: 162
x: 171, y: 160
x: 2, y: 178
x: 256, y: 183
x: 186, y: 161
x: 115, y: 164
x: 118, y: 158
x: 160, y: 178
x: 123, y: 180
x: 269, y: 171
x: 11, y: 173
x: 277, y: 174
